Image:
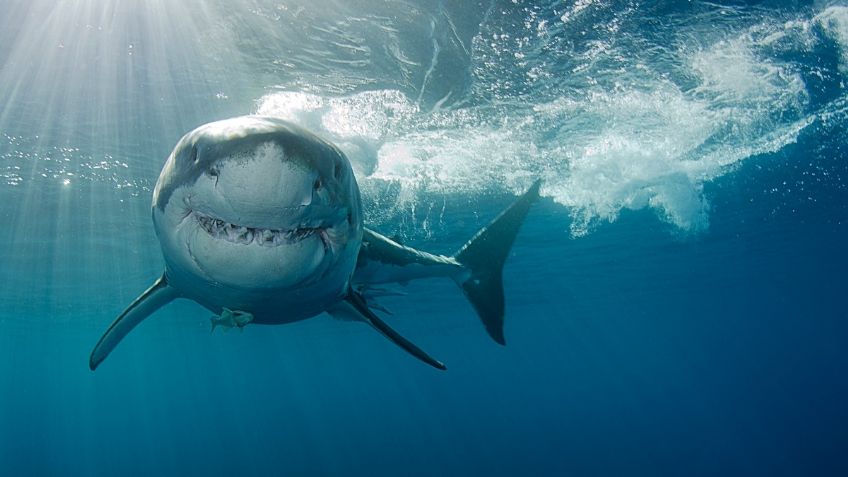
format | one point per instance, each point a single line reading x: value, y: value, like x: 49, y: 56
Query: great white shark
x: 261, y: 218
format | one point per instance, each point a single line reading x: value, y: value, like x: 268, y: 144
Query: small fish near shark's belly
x: 274, y: 309
x: 268, y: 306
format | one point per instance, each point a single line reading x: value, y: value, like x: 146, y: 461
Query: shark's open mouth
x: 241, y: 234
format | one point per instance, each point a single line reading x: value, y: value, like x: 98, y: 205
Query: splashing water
x: 644, y: 135
x: 612, y: 115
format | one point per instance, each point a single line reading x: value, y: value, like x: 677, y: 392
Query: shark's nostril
x: 193, y: 155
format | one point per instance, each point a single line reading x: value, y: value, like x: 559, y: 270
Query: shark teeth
x: 240, y: 234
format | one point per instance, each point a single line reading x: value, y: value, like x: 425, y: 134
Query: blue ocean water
x: 675, y: 302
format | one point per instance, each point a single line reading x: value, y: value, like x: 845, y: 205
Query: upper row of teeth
x: 245, y: 235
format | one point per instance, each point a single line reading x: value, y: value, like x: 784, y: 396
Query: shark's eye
x: 337, y: 170
x: 193, y: 154
x: 317, y: 184
x: 212, y: 172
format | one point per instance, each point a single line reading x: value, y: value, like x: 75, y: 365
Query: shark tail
x: 484, y: 256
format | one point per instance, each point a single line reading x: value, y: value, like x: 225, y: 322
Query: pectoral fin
x: 158, y: 295
x: 354, y: 303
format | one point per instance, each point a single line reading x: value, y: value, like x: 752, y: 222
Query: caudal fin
x: 485, y: 255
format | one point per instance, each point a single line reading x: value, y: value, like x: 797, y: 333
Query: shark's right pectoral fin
x: 355, y: 308
x: 157, y: 296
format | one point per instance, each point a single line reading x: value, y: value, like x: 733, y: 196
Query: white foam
x: 834, y: 21
x: 358, y: 124
x: 575, y: 10
x: 602, y: 150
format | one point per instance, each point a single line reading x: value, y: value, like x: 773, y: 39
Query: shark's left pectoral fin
x: 355, y: 305
x: 157, y: 296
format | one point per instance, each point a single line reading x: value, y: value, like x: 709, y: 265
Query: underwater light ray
x: 93, y: 74
x: 607, y: 135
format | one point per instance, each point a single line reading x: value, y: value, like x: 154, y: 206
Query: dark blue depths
x: 633, y: 351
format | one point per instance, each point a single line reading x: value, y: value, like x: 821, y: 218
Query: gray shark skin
x: 258, y: 215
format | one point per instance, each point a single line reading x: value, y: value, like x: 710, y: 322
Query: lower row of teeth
x: 246, y: 235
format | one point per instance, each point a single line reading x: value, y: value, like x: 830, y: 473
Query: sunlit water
x: 675, y: 303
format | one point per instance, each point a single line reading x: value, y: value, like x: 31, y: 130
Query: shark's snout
x: 266, y: 191
x: 268, y: 175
